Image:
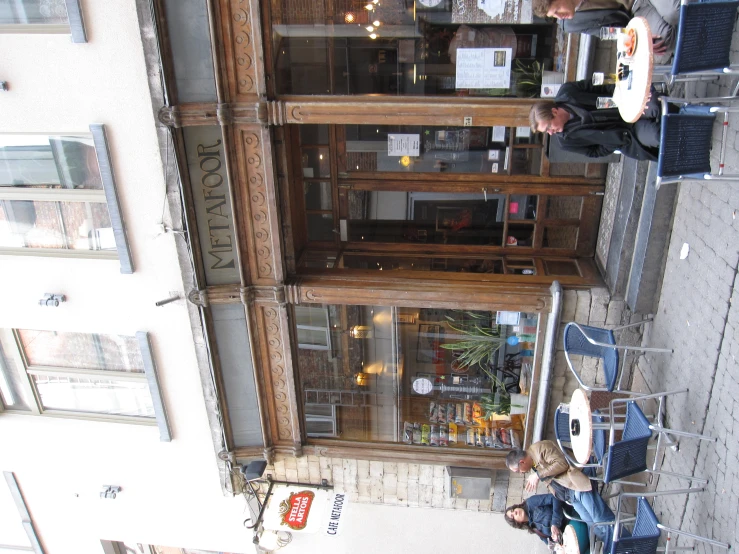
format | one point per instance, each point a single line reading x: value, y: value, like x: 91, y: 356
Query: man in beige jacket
x: 565, y: 482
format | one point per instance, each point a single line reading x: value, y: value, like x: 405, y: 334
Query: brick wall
x: 426, y: 485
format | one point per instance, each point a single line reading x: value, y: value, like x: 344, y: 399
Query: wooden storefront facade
x: 353, y: 268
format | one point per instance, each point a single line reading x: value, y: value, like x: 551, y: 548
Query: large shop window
x: 402, y: 47
x: 58, y: 198
x: 454, y: 379
x: 43, y: 17
x: 80, y: 375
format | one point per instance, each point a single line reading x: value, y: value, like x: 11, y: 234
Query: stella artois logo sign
x: 295, y: 509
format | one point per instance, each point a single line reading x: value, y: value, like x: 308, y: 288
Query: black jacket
x: 595, y: 132
x: 590, y: 21
x: 544, y: 510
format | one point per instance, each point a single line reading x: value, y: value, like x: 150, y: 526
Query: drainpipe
x: 547, y: 363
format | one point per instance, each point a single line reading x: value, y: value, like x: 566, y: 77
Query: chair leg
x: 680, y: 476
x: 632, y: 324
x: 666, y: 431
x: 670, y: 530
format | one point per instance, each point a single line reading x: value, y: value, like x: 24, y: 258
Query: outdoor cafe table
x: 632, y: 94
x: 570, y: 543
x: 582, y: 426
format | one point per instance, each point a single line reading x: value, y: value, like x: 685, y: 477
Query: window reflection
x: 420, y: 376
x: 406, y: 48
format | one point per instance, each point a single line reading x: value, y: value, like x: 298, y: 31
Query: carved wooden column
x: 472, y: 296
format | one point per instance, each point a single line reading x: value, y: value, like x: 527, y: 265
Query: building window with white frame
x: 55, y: 198
x: 80, y: 375
x: 43, y: 17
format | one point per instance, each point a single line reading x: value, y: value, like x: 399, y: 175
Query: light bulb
x: 376, y: 23
x: 369, y: 7
x: 373, y: 36
x: 370, y: 28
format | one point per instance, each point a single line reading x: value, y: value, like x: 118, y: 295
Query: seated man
x: 567, y: 483
x: 578, y: 126
x: 588, y: 16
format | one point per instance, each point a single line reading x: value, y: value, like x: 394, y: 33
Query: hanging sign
x: 296, y: 509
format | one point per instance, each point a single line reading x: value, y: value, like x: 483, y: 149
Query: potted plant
x: 502, y: 402
x: 528, y: 78
x: 478, y: 341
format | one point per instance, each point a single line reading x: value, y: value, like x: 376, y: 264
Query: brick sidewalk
x: 697, y: 316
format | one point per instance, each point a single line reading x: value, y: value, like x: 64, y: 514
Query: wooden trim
x: 406, y: 110
x: 472, y: 182
x: 241, y: 40
x: 346, y: 289
x: 389, y: 452
x: 272, y: 344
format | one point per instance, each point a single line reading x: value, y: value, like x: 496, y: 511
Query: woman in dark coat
x: 540, y: 514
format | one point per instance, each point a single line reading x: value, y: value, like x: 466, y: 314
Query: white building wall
x: 171, y: 491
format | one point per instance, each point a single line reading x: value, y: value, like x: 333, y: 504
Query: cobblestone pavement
x: 698, y: 316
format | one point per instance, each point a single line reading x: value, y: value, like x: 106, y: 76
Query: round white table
x: 632, y: 94
x: 581, y: 426
x: 570, y: 544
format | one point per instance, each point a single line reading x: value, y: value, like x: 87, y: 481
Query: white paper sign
x: 498, y: 133
x: 507, y: 318
x: 493, y: 8
x: 403, y: 145
x: 523, y: 132
x: 484, y: 67
x: 337, y: 509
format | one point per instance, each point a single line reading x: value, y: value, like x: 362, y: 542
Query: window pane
x: 104, y: 396
x: 48, y: 162
x: 388, y: 262
x: 435, y: 149
x: 62, y: 225
x: 11, y: 376
x: 81, y: 350
x: 422, y: 376
x: 32, y: 11
x: 425, y: 217
x: 560, y: 237
x: 564, y: 207
x: 316, y: 162
x: 317, y: 196
x: 312, y: 337
x: 407, y: 48
x: 320, y: 227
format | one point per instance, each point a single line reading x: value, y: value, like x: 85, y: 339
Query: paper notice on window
x: 403, y: 145
x: 498, y: 133
x: 507, y: 318
x: 523, y: 132
x: 483, y: 68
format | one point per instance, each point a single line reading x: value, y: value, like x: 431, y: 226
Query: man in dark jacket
x: 588, y: 16
x: 578, y: 126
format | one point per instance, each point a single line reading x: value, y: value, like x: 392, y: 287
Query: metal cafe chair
x: 562, y: 434
x: 628, y: 456
x: 686, y: 139
x: 703, y: 41
x: 645, y: 529
x: 584, y: 340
